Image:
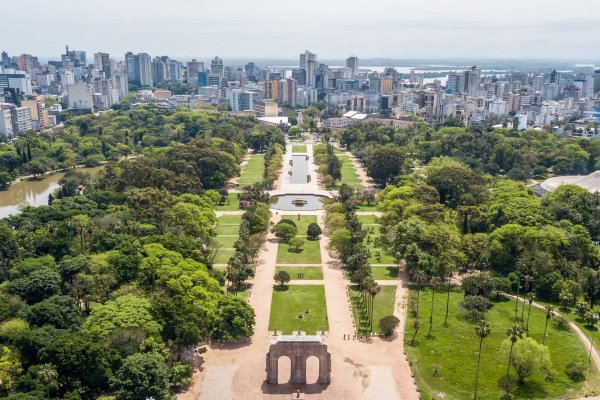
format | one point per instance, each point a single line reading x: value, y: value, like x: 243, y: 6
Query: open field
x: 310, y: 254
x: 383, y: 305
x: 293, y: 300
x: 253, y: 171
x: 310, y: 273
x: 299, y: 148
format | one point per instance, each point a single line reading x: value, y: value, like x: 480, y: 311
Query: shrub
x: 282, y: 277
x: 561, y: 323
x: 388, y: 325
x: 296, y: 245
x: 475, y: 306
x: 313, y: 231
x: 576, y: 371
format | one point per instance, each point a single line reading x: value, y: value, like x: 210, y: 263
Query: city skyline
x: 435, y: 30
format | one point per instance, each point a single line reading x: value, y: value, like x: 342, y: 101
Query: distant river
x: 34, y: 193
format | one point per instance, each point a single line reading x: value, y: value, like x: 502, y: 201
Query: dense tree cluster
x: 330, y: 166
x: 111, y: 291
x: 91, y: 139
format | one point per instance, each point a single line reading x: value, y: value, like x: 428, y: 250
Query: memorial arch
x: 298, y: 349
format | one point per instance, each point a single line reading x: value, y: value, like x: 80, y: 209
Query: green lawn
x: 446, y: 361
x: 230, y: 219
x: 227, y: 229
x: 311, y: 253
x: 223, y: 256
x: 253, y: 171
x: 310, y: 273
x: 303, y: 223
x: 383, y: 305
x: 299, y: 148
x: 365, y: 207
x: 368, y: 219
x: 232, y: 203
x: 226, y: 241
x: 384, y: 257
x: 384, y: 273
x: 290, y: 301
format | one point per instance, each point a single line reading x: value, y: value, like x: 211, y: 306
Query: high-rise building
x: 160, y: 70
x: 28, y: 63
x: 130, y: 66
x: 16, y: 81
x: 6, y: 124
x: 308, y: 62
x: 21, y: 117
x: 538, y: 83
x: 455, y: 83
x: 102, y: 63
x: 555, y: 77
x: 80, y: 96
x: 597, y: 81
x: 143, y: 69
x: 216, y: 66
x: 193, y: 67
x: 242, y: 100
x: 37, y: 112
x: 352, y: 63
x: 472, y: 81
x: 300, y: 76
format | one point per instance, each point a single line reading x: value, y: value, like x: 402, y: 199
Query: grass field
x: 384, y: 273
x: 227, y: 229
x: 349, y: 175
x: 223, y: 256
x: 311, y: 253
x: 290, y: 301
x: 253, y: 171
x: 226, y: 241
x: 310, y: 273
x: 368, y: 219
x: 383, y: 305
x: 299, y: 148
x: 229, y: 219
x: 303, y: 223
x: 446, y: 361
x: 232, y: 203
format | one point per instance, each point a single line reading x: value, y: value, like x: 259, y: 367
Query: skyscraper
x: 143, y: 69
x: 308, y: 62
x: 130, y: 66
x: 216, y: 66
x: 597, y: 81
x: 352, y: 63
x: 102, y: 63
x: 472, y: 81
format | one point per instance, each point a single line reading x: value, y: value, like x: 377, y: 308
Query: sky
x: 334, y: 29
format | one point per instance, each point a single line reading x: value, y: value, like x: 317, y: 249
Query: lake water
x: 34, y: 193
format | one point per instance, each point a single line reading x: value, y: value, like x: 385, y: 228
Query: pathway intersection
x: 361, y: 369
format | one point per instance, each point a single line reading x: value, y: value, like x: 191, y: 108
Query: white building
x: 80, y: 96
x: 19, y: 80
x: 6, y: 125
x: 242, y: 100
x: 498, y: 107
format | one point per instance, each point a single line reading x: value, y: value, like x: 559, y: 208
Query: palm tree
x: 530, y: 297
x: 435, y: 282
x: 549, y: 313
x: 419, y: 277
x: 517, y: 299
x: 514, y: 333
x: 374, y: 289
x: 47, y: 374
x: 526, y: 287
x: 447, y: 301
x: 483, y: 330
x: 592, y: 320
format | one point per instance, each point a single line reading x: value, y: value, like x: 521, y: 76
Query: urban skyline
x: 535, y: 29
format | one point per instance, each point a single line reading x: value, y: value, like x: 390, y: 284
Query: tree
x: 58, y: 311
x: 549, y: 313
x: 47, y: 375
x: 282, y: 277
x: 388, y: 325
x: 384, y: 163
x: 528, y: 356
x: 9, y: 248
x: 435, y: 282
x: 419, y: 277
x: 482, y: 330
x: 285, y: 231
x: 296, y: 245
x: 530, y: 298
x: 234, y: 319
x: 237, y: 272
x: 514, y: 333
x: 142, y: 376
x: 313, y: 231
x: 37, y: 286
x: 341, y: 241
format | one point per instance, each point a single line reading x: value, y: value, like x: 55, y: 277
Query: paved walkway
x: 373, y: 369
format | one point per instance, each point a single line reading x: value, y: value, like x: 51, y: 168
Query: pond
x: 32, y: 192
x: 297, y: 202
x: 299, y: 169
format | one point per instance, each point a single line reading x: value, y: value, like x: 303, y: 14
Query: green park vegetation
x: 253, y: 171
x: 100, y: 285
x: 309, y: 254
x: 298, y: 307
x: 382, y: 306
x: 299, y: 148
x: 444, y: 359
x: 296, y: 244
x: 330, y: 166
x: 309, y: 273
x: 229, y: 202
